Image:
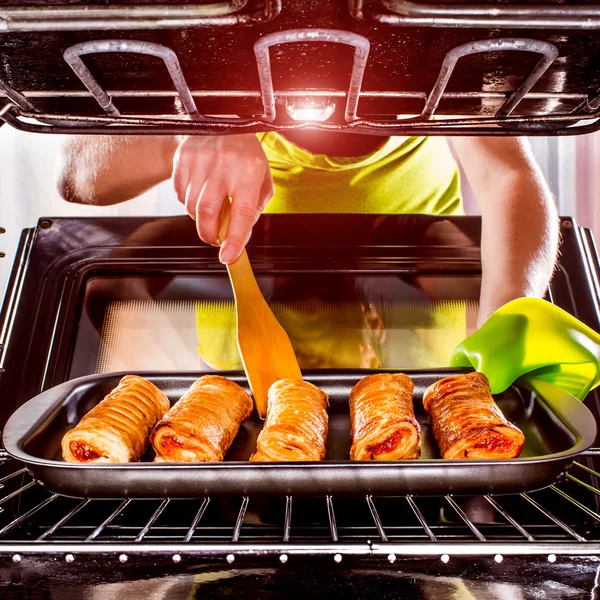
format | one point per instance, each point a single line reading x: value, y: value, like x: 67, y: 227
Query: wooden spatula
x: 265, y: 348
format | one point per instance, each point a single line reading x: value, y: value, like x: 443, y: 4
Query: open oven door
x: 139, y: 294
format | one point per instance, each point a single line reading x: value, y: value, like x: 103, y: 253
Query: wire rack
x: 560, y: 520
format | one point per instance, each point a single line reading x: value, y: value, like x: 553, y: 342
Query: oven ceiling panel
x: 217, y: 59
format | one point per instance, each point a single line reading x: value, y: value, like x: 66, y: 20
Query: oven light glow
x: 310, y: 111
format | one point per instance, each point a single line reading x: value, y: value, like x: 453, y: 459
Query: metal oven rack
x: 23, y: 108
x: 561, y: 520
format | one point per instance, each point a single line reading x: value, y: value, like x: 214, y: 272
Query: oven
x: 96, y: 295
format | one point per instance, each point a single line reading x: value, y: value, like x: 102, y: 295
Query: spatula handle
x: 224, y: 222
x: 240, y: 271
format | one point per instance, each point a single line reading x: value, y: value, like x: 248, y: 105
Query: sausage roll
x: 202, y: 425
x: 296, y: 424
x: 466, y: 421
x: 383, y: 419
x: 118, y: 428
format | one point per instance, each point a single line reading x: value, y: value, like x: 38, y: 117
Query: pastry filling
x: 387, y: 445
x: 84, y: 452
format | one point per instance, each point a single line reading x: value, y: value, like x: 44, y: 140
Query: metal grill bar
x: 583, y: 484
x: 142, y: 534
x: 405, y: 13
x: 461, y: 513
x: 421, y: 519
x: 199, y: 515
x: 576, y: 464
x: 553, y: 518
x: 13, y: 524
x: 73, y: 55
x: 510, y: 519
x: 62, y: 521
x: 332, y: 523
x: 17, y: 492
x: 322, y: 93
x: 579, y: 505
x: 376, y: 518
x: 10, y: 113
x: 548, y: 51
x: 16, y: 97
x: 119, y: 18
x: 106, y: 521
x: 558, y: 125
x: 361, y: 52
x: 15, y: 474
x: 592, y: 104
x: 240, y: 519
x: 287, y: 524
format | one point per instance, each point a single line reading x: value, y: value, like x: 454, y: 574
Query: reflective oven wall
x: 334, y: 320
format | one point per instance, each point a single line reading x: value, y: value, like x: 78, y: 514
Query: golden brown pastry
x: 202, y: 425
x: 296, y: 424
x: 466, y: 421
x: 118, y: 428
x: 383, y: 419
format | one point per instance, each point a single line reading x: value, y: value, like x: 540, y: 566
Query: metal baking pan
x: 557, y: 427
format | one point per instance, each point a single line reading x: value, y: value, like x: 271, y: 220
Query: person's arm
x: 520, y: 230
x: 104, y: 170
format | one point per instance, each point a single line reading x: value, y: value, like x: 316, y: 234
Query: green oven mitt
x: 533, y: 337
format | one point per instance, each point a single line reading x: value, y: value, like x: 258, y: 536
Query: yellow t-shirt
x: 408, y: 175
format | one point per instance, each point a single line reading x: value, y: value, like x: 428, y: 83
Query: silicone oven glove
x: 533, y: 337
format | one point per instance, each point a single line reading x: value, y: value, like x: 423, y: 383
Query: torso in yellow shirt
x: 416, y: 175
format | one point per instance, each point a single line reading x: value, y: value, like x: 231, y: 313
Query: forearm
x: 519, y: 241
x: 104, y: 170
x: 519, y: 219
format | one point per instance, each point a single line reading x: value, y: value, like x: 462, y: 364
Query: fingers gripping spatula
x: 265, y: 348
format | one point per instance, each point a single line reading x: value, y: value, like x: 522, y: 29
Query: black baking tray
x: 557, y: 427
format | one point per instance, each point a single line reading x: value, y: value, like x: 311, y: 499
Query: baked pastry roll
x: 466, y: 421
x: 296, y: 424
x: 117, y: 429
x: 203, y: 423
x: 383, y: 419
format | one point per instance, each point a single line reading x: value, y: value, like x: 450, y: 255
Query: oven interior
x: 93, y: 295
x: 105, y: 293
x: 492, y: 68
x: 335, y: 320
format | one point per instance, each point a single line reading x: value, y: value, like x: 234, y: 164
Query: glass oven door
x: 334, y: 320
